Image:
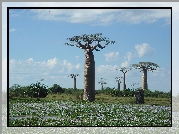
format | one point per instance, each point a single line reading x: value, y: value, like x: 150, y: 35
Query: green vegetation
x: 112, y: 95
x: 82, y: 113
x: 65, y: 107
x: 102, y: 98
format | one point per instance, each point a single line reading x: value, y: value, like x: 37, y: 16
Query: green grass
x: 103, y: 98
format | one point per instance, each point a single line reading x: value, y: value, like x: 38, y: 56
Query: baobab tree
x: 124, y: 70
x: 118, y: 80
x: 102, y: 82
x: 74, y: 76
x: 145, y: 66
x: 85, y: 42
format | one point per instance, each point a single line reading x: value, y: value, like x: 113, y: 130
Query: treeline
x: 38, y: 90
x: 131, y: 93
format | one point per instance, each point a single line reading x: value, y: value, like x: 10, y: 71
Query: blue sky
x: 37, y: 49
x: 37, y: 40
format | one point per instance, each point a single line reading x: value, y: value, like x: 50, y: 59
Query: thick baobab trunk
x: 124, y: 86
x: 74, y: 83
x: 102, y: 86
x: 89, y: 77
x: 119, y: 85
x: 144, y: 79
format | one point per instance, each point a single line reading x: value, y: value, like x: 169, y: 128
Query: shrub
x: 56, y: 89
x: 37, y: 90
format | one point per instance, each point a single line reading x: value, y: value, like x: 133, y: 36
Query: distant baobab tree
x: 74, y: 76
x: 118, y: 80
x: 102, y: 82
x: 124, y: 70
x: 145, y: 66
x: 85, y: 42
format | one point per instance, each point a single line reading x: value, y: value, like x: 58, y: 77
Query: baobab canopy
x: 89, y: 39
x: 149, y: 66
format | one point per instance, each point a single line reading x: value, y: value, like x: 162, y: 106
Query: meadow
x: 58, y: 106
x: 70, y: 110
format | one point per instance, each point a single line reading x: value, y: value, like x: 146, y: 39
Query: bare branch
x: 80, y: 45
x: 89, y: 39
x: 149, y: 66
x: 94, y: 47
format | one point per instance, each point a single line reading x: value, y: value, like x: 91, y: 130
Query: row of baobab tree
x: 92, y: 42
x: 118, y: 79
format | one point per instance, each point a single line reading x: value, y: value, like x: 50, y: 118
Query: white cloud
x: 129, y: 56
x: 30, y: 59
x: 103, y: 16
x: 12, y: 30
x: 125, y: 64
x: 162, y: 72
x: 32, y: 68
x: 144, y: 50
x: 127, y: 59
x: 52, y: 62
x: 76, y: 15
x: 147, y: 15
x: 77, y: 66
x: 25, y: 72
x: 112, y: 56
x: 107, y: 69
x: 67, y: 64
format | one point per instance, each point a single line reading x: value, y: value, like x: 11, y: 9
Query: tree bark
x: 75, y: 83
x: 118, y: 85
x: 144, y: 79
x: 89, y: 77
x: 102, y: 86
x: 124, y: 86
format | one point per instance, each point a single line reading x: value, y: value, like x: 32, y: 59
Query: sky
x: 37, y: 47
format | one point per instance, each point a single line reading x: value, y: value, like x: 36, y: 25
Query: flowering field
x: 80, y: 113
